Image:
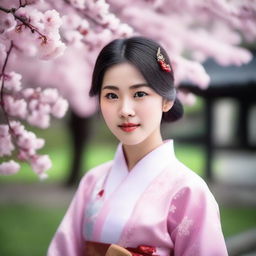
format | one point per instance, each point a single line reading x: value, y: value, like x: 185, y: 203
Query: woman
x: 145, y: 200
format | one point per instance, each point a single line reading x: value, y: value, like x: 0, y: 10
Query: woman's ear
x: 167, y: 105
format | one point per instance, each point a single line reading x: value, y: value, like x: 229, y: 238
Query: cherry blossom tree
x: 30, y: 32
x: 59, y: 41
x: 193, y: 31
x: 36, y: 34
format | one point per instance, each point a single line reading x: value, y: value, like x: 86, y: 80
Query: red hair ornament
x: 161, y: 60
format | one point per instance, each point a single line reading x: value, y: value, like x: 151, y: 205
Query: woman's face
x: 130, y: 108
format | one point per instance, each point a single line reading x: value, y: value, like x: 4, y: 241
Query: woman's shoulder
x: 188, y: 180
x: 189, y: 175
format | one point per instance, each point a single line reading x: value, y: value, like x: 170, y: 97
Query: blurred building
x: 230, y: 121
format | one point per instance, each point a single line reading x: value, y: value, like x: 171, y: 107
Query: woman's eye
x: 140, y: 94
x: 111, y: 96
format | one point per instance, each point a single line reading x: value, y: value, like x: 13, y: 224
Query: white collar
x: 124, y: 186
x: 150, y: 165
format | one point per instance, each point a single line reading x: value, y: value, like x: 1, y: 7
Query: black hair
x: 140, y: 52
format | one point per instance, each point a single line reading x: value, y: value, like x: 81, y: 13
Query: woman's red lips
x: 128, y: 127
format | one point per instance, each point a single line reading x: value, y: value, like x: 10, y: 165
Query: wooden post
x: 209, y: 138
x: 79, y: 129
x: 242, y: 125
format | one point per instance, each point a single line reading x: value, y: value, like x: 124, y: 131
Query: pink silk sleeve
x: 194, y: 222
x: 68, y: 239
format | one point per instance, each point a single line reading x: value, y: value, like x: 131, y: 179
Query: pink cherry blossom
x: 59, y: 108
x: 50, y: 49
x: 28, y: 92
x: 112, y: 21
x: 2, y: 55
x: 24, y: 155
x: 188, y: 70
x: 17, y: 128
x: 71, y: 21
x: 78, y: 3
x: 12, y: 81
x: 51, y: 20
x: 49, y: 96
x: 39, y: 119
x: 7, y: 22
x: 42, y: 28
x: 40, y: 164
x: 9, y: 168
x: 28, y: 145
x: 187, y: 97
x: 33, y: 104
x: 74, y: 38
x: 32, y: 32
x: 6, y: 145
x: 124, y: 30
x: 28, y: 140
x: 15, y: 108
x: 4, y: 130
x: 83, y: 26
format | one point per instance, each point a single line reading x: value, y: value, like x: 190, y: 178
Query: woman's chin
x: 131, y: 141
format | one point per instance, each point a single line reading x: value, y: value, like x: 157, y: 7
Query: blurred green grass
x: 235, y: 220
x: 27, y: 230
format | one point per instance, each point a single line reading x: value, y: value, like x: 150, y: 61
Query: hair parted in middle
x: 142, y: 53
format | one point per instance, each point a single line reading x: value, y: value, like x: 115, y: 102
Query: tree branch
x: 24, y: 22
x: 2, y: 87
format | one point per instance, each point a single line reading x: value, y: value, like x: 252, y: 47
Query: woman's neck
x: 133, y: 153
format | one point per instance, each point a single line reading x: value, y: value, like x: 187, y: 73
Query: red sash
x: 95, y: 249
x: 100, y: 249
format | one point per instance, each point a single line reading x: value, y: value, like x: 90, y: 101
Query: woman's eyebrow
x: 136, y: 86
x: 110, y: 87
x: 115, y: 88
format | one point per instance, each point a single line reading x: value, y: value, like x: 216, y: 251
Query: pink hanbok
x: 160, y: 204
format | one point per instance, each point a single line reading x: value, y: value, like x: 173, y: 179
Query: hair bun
x: 175, y: 113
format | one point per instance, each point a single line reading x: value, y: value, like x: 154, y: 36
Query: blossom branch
x: 2, y: 104
x: 34, y: 106
x: 22, y: 5
x: 24, y: 22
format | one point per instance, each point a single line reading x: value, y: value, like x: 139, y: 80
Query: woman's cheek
x: 150, y: 109
x: 107, y: 113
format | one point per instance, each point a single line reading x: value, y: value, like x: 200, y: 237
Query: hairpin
x: 161, y: 60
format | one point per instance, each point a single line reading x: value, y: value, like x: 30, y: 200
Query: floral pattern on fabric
x: 172, y: 208
x: 180, y: 194
x: 185, y: 226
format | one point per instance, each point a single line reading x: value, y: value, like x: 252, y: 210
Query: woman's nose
x: 126, y: 108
